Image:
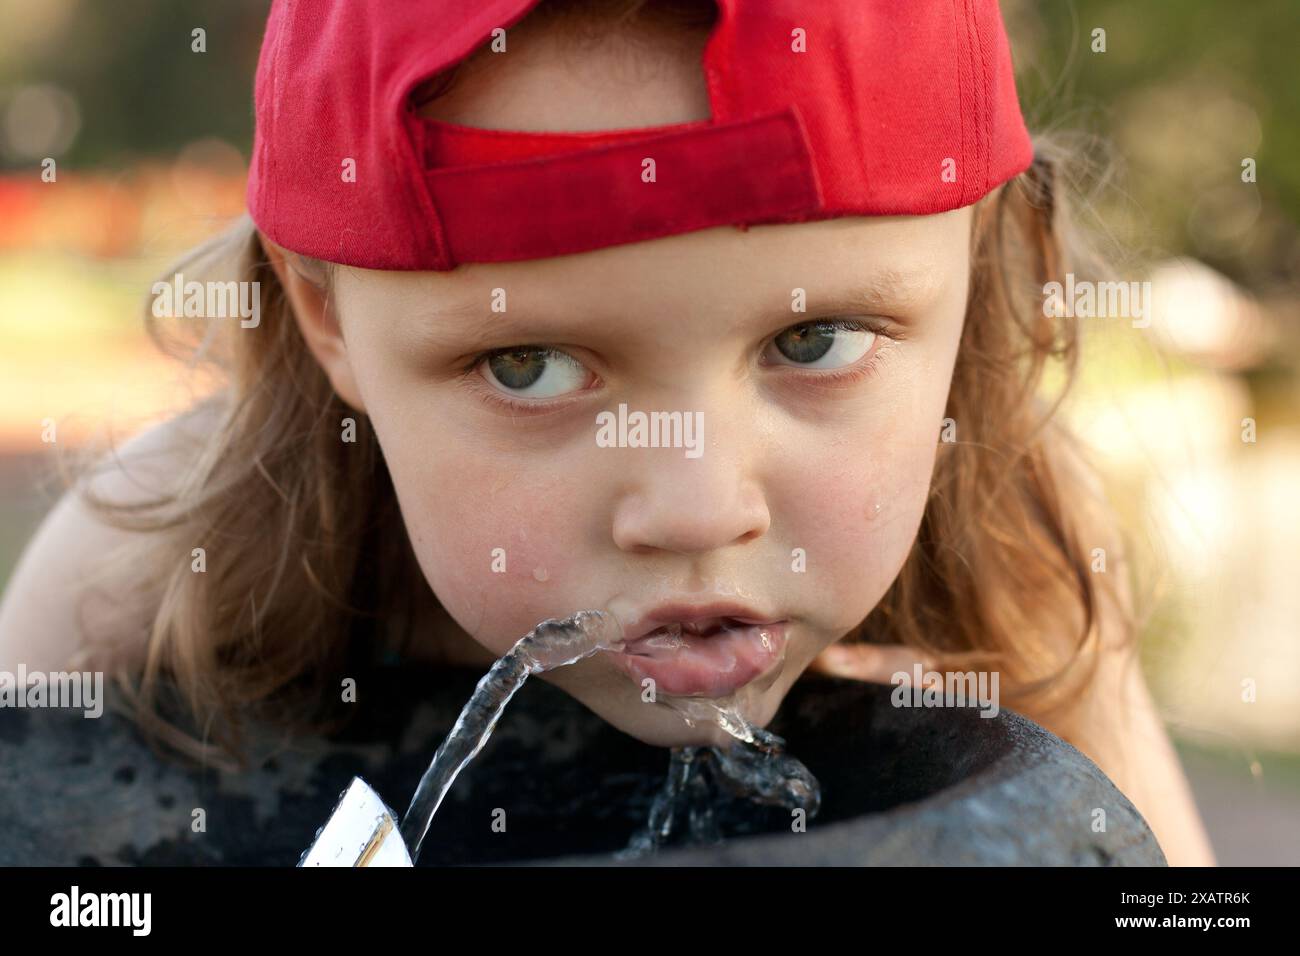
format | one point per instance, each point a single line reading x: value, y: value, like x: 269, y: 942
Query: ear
x: 313, y: 311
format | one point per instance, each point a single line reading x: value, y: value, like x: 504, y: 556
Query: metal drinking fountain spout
x: 361, y: 831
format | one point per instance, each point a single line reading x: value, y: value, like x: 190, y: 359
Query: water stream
x: 755, y: 766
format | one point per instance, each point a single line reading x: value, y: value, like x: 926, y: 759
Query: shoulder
x: 1113, y: 719
x: 67, y: 596
x: 1118, y: 726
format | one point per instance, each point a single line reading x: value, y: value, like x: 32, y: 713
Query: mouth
x: 694, y: 618
x: 702, y: 651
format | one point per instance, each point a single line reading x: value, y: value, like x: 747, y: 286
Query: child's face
x: 815, y: 461
x: 794, y: 461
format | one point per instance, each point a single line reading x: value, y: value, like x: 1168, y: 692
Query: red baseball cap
x: 818, y: 110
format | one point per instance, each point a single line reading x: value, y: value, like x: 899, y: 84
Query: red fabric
x: 451, y: 144
x: 862, y: 123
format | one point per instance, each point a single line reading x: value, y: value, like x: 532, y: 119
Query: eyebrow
x: 889, y: 290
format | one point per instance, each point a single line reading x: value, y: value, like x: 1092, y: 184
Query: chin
x: 661, y: 726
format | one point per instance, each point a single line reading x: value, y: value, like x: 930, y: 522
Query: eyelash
x: 856, y: 372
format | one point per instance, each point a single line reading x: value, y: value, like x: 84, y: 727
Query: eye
x: 531, y: 372
x: 831, y: 343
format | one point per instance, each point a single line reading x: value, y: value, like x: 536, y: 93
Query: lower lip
x: 706, y: 666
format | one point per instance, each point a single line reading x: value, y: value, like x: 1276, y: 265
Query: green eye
x: 828, y: 344
x: 534, y: 372
x: 518, y: 368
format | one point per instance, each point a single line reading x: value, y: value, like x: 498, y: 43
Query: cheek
x: 854, y: 504
x: 856, y: 519
x: 497, y: 536
x: 496, y: 544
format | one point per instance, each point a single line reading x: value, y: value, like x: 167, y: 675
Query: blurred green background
x: 151, y: 141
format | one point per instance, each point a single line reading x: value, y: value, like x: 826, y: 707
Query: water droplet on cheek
x: 540, y: 574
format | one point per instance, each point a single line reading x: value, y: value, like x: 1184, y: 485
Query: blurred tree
x: 129, y: 65
x: 1184, y: 92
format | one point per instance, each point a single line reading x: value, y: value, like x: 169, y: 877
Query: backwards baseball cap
x: 818, y: 110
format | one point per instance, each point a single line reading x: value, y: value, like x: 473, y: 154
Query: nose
x: 689, y: 505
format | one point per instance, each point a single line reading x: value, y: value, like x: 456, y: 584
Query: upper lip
x: 678, y: 612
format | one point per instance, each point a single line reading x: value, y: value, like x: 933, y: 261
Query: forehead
x: 899, y: 259
x: 562, y: 74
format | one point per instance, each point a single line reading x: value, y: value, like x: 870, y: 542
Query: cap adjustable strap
x: 704, y: 175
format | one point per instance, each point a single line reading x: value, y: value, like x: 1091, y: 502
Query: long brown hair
x: 308, y: 562
x: 1008, y: 569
